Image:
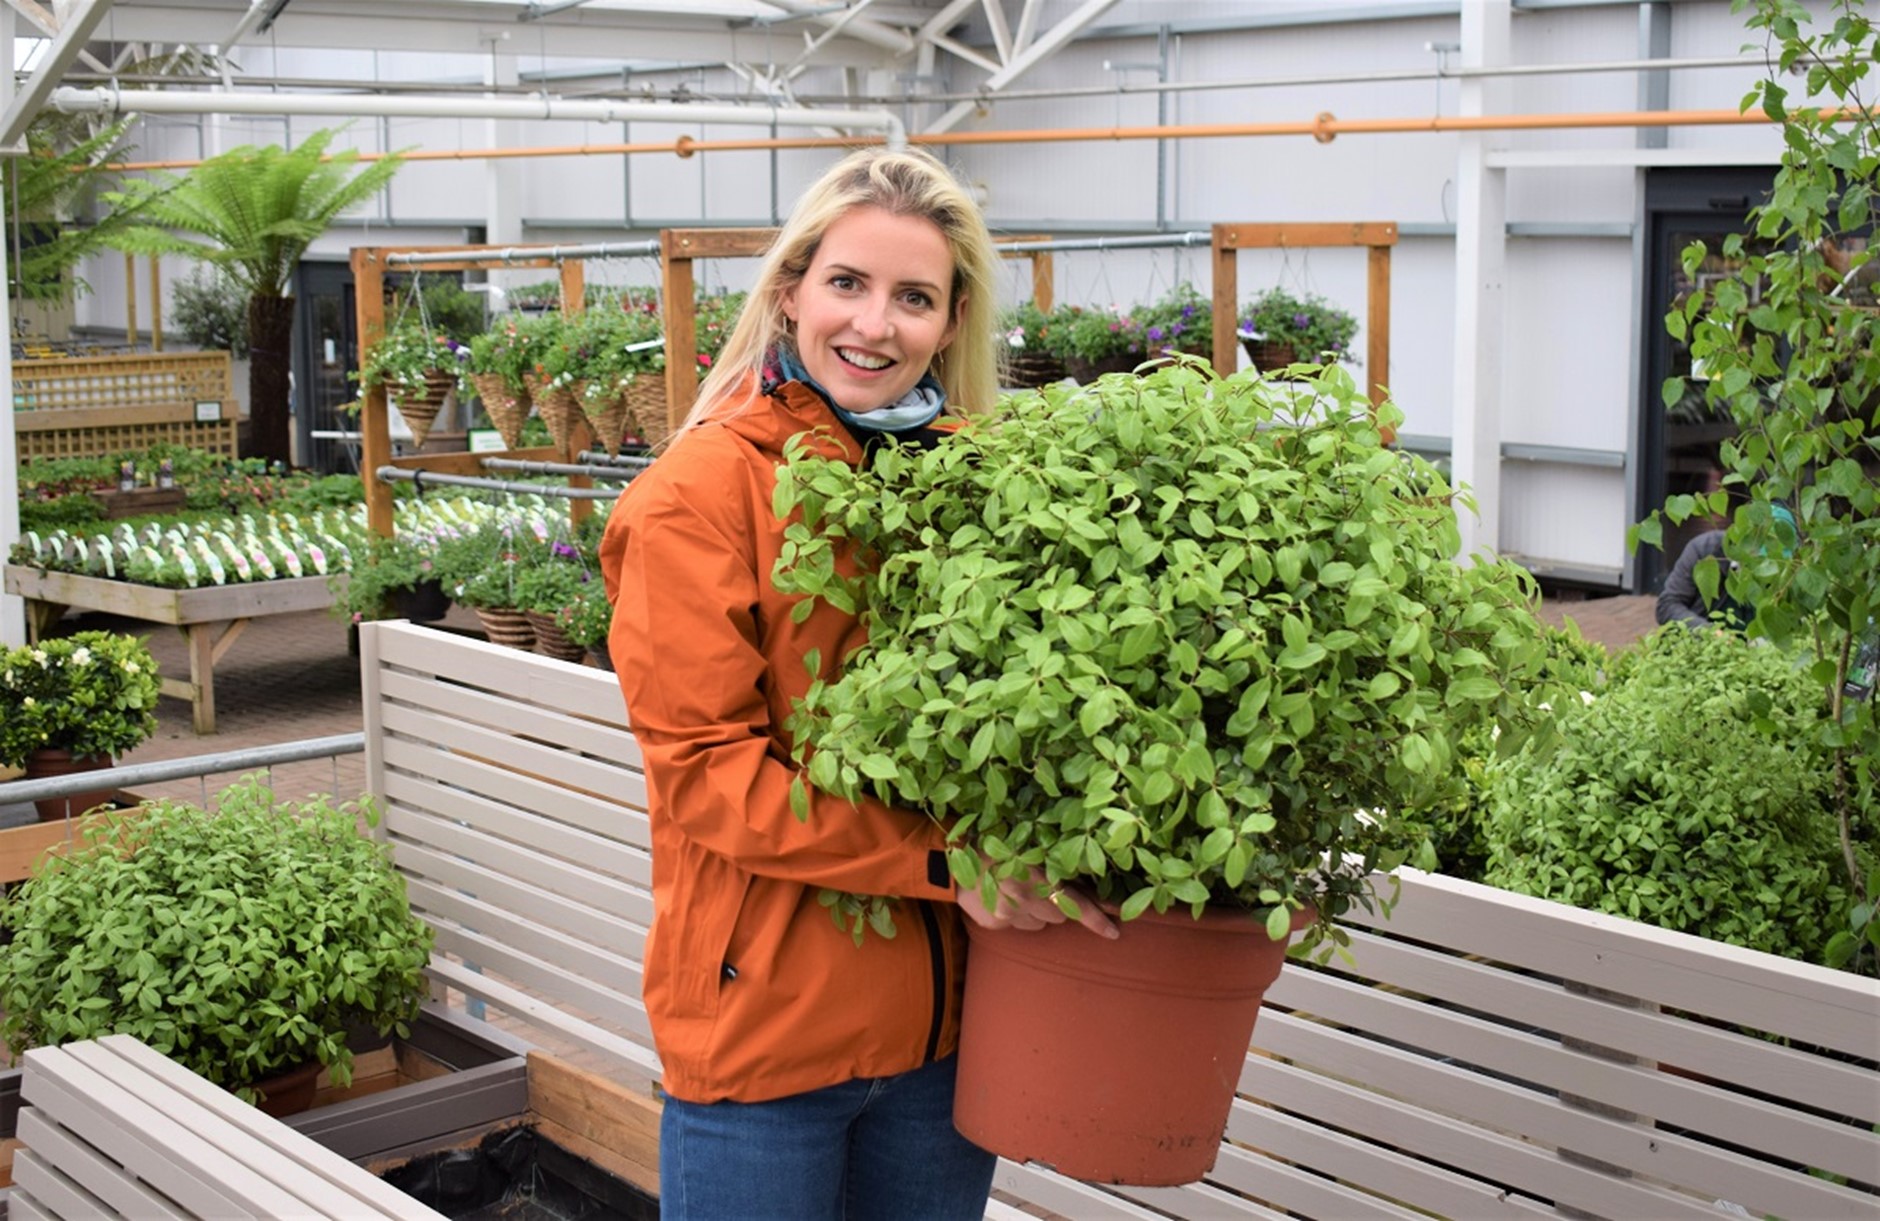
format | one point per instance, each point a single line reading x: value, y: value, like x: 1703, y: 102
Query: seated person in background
x: 1681, y: 601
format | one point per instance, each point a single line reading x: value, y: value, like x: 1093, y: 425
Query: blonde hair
x: 905, y: 183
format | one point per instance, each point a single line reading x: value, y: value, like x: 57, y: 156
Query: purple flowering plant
x: 1318, y: 331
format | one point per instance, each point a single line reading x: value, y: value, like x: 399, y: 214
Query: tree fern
x: 42, y: 189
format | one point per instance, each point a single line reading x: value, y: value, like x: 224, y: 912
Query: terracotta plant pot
x: 551, y: 641
x: 49, y: 761
x: 289, y: 1092
x: 1111, y: 1061
x: 507, y: 626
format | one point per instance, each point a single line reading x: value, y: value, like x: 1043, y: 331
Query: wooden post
x: 1377, y: 329
x: 156, y: 303
x: 678, y: 314
x: 1043, y: 283
x: 1225, y: 275
x: 573, y: 301
x: 375, y: 430
x: 130, y: 301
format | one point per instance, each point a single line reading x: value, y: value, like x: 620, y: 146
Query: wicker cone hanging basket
x: 507, y: 409
x: 556, y: 406
x: 551, y: 641
x: 420, y: 407
x: 1267, y: 357
x: 646, y: 408
x: 507, y: 626
x: 608, y: 417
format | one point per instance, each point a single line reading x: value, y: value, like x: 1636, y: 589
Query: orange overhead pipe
x: 1325, y: 128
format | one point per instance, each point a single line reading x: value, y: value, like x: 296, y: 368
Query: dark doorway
x: 326, y: 353
x: 1678, y: 443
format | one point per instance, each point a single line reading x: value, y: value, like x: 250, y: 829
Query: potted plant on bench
x: 1182, y: 642
x: 246, y: 944
x: 74, y: 704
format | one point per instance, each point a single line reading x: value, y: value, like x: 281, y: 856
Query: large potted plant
x: 1278, y: 328
x: 1184, y: 643
x: 242, y: 943
x: 74, y: 704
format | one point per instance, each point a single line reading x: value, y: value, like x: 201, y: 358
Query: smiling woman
x: 801, y: 1068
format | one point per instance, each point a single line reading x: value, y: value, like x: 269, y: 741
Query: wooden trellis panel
x: 88, y: 406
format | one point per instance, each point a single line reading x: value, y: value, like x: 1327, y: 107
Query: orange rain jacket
x: 753, y: 991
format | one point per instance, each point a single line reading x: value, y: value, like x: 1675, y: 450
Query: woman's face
x: 872, y: 310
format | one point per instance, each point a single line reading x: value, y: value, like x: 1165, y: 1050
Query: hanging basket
x: 557, y: 407
x: 420, y: 408
x: 507, y: 626
x: 646, y: 408
x: 1268, y: 357
x: 1028, y: 370
x: 1087, y: 371
x: 609, y: 417
x: 551, y: 641
x: 507, y: 409
x: 1111, y: 1061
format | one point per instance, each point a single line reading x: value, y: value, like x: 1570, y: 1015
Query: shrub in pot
x: 240, y: 943
x: 75, y: 703
x: 1181, y: 641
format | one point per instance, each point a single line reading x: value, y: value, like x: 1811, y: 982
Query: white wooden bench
x: 1484, y: 1055
x: 112, y: 1128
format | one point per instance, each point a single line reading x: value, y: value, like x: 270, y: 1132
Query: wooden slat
x: 1208, y: 1200
x: 22, y: 1207
x: 526, y: 1008
x: 1423, y: 1185
x: 1651, y: 1153
x: 550, y: 738
x: 539, y: 904
x: 525, y: 775
x: 1070, y: 1198
x: 147, y: 1141
x: 522, y: 676
x: 1294, y: 1190
x: 600, y: 853
x: 1745, y: 1061
x: 205, y: 604
x: 1252, y: 236
x: 716, y: 243
x: 58, y: 1192
x: 366, y: 1191
x: 1774, y: 1130
x: 565, y: 771
x: 618, y: 1011
x: 1812, y: 1004
x: 1411, y: 1128
x: 588, y: 956
x: 496, y: 710
x: 584, y: 927
x: 521, y: 865
x: 596, y: 1118
x: 113, y: 1184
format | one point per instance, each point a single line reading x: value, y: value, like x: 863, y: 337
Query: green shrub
x: 239, y: 943
x: 1689, y: 791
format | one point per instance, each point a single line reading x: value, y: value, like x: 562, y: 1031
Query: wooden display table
x: 211, y: 616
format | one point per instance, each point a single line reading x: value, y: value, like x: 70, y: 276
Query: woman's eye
x: 844, y: 283
x: 919, y: 300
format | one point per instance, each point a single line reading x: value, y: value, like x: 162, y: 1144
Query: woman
x: 806, y: 1076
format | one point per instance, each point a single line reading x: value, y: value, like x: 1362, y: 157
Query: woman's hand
x: 1028, y: 903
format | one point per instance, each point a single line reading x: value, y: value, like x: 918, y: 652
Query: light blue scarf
x: 917, y: 408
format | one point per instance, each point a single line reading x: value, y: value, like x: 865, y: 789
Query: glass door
x: 1678, y: 442
x: 326, y: 353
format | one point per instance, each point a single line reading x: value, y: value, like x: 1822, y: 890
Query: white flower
x: 1586, y: 697
x: 39, y: 655
x: 131, y: 667
x: 30, y: 702
x: 81, y: 656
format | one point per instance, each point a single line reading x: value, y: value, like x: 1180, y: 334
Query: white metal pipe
x: 515, y: 254
x: 139, y: 101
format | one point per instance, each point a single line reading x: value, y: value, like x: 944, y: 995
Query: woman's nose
x: 871, y: 318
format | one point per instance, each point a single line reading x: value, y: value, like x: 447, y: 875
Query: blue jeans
x: 881, y: 1147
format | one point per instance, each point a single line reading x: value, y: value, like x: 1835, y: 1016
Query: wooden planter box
x: 139, y: 501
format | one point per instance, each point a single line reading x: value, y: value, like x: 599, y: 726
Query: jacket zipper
x: 936, y: 951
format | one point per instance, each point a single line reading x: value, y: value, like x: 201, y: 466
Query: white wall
x: 1571, y: 325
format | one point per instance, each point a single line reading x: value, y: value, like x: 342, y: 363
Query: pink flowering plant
x: 1318, y: 331
x: 91, y: 693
